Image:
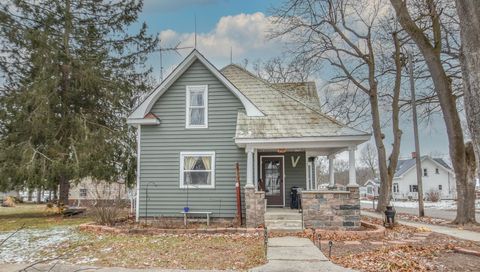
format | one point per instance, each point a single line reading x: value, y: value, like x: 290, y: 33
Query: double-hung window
x: 197, y: 169
x: 395, y: 188
x: 197, y: 106
x: 83, y: 192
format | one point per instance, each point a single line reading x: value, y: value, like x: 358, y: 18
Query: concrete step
x: 283, y: 216
x: 284, y: 224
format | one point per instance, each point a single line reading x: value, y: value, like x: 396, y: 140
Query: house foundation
x: 332, y: 209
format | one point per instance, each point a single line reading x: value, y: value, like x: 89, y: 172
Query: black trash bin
x: 294, y: 198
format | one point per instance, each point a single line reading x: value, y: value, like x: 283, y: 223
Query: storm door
x: 272, y: 176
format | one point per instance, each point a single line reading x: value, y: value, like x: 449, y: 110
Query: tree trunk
x: 39, y: 195
x: 387, y: 171
x: 469, y: 15
x: 29, y: 196
x: 385, y: 181
x: 64, y: 190
x: 443, y: 87
x: 55, y: 193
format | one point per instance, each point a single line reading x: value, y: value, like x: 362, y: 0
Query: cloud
x: 246, y: 34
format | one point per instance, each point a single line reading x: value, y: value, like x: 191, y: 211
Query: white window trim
x: 212, y: 171
x: 187, y: 106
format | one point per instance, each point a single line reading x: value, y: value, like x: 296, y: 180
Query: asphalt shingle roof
x: 404, y: 165
x: 288, y: 112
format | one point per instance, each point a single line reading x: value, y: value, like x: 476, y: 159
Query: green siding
x: 294, y: 176
x: 161, y: 146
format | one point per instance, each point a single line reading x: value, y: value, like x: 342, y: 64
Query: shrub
x: 434, y: 195
x: 9, y: 201
x: 107, y: 211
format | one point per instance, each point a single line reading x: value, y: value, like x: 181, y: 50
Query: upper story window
x: 425, y: 172
x: 437, y: 171
x: 197, y: 106
x: 197, y: 169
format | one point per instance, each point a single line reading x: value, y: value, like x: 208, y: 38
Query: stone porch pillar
x: 352, y: 176
x: 331, y: 171
x: 255, y: 203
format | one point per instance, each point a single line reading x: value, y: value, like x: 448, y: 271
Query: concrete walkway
x: 296, y: 254
x: 457, y: 233
x: 69, y: 268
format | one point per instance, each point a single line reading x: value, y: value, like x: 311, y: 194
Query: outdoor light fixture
x: 389, y: 217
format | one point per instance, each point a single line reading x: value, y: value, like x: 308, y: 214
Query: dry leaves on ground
x: 396, y: 258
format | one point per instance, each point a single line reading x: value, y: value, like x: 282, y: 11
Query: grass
x: 185, y: 251
x: 35, y: 216
x: 182, y: 251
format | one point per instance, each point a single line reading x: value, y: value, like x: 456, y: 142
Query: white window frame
x: 187, y: 106
x: 395, y: 188
x: 212, y: 170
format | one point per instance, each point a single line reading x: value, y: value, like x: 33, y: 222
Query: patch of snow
x: 26, y: 245
x: 441, y: 205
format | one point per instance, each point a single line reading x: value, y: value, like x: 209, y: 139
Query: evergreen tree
x: 70, y: 69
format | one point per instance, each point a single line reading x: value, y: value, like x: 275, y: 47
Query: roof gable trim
x: 144, y: 108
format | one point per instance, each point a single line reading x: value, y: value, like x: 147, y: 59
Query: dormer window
x: 197, y: 106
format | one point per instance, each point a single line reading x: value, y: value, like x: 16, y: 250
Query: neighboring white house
x: 370, y: 189
x: 437, y: 175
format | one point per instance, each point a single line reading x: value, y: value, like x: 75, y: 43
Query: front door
x: 272, y: 175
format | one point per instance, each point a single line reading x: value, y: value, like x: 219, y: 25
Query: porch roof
x: 288, y: 116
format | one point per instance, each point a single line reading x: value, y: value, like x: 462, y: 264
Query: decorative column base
x: 255, y: 207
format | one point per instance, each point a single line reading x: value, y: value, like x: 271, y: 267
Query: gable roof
x: 404, y: 166
x: 286, y: 115
x: 143, y: 109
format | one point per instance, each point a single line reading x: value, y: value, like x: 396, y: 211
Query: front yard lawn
x: 185, y: 251
x: 404, y: 249
x: 35, y: 216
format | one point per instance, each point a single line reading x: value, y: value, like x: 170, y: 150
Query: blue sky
x: 179, y: 15
x: 242, y: 26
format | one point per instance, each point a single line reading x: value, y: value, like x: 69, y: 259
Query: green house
x: 200, y: 122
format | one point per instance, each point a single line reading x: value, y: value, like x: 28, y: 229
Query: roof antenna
x: 195, y: 37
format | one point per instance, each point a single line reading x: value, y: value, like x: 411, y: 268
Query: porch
x: 274, y: 167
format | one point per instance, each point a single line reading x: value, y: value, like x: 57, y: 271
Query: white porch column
x: 352, y: 178
x: 331, y: 171
x: 250, y: 153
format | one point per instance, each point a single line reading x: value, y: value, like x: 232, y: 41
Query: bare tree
x: 469, y: 16
x: 429, y: 42
x: 282, y: 70
x: 350, y: 37
x: 368, y: 157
